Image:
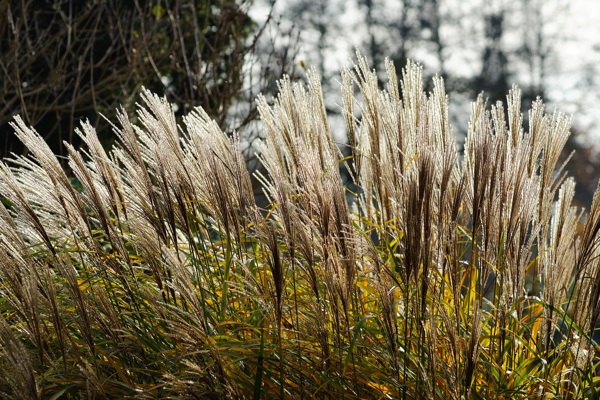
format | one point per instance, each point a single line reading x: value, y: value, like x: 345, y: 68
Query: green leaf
x: 158, y: 11
x: 357, y: 330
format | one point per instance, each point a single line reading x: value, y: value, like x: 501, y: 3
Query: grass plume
x: 150, y: 272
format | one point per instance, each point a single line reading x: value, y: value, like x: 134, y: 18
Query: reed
x: 150, y: 272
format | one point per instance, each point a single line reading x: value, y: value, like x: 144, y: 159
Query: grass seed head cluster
x: 150, y: 272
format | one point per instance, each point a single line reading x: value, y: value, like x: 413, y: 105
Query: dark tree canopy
x: 67, y: 60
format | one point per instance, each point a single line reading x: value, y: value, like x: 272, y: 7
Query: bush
x: 153, y: 274
x: 65, y: 61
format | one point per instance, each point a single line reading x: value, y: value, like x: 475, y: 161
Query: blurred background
x: 66, y: 60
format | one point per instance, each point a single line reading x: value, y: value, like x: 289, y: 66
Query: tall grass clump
x: 150, y: 272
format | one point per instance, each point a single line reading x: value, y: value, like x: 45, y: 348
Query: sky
x: 572, y: 71
x: 576, y: 84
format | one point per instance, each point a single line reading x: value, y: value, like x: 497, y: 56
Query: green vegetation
x: 430, y: 274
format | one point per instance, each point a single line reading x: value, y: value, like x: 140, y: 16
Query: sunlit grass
x: 154, y: 274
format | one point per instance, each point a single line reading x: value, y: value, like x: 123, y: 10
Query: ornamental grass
x: 390, y: 266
